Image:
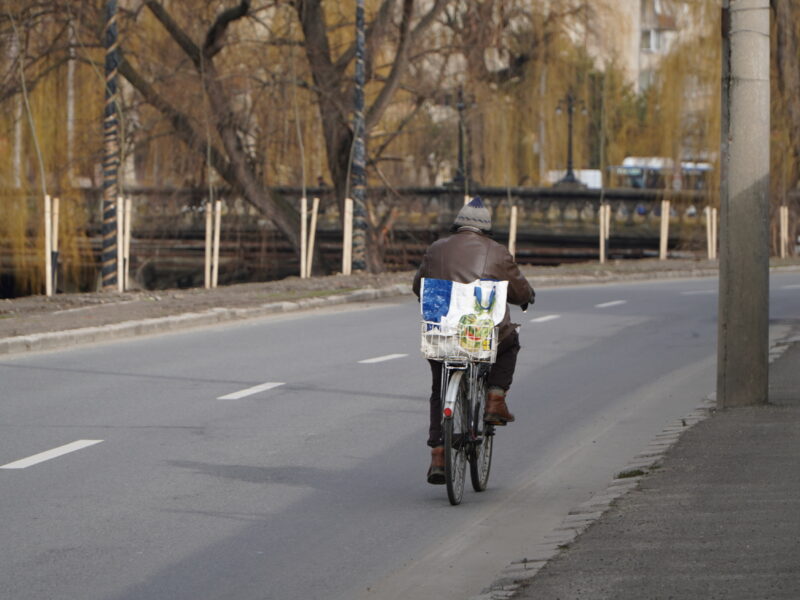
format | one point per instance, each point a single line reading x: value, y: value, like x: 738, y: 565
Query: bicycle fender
x: 452, y: 392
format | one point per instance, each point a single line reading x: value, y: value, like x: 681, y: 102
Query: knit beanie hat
x: 474, y: 214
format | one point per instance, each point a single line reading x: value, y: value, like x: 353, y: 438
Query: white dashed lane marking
x: 377, y: 359
x: 610, y: 304
x: 24, y: 463
x: 699, y: 293
x: 545, y: 318
x: 250, y: 391
x: 795, y: 286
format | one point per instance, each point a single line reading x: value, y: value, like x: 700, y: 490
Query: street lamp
x: 462, y: 177
x: 570, y: 103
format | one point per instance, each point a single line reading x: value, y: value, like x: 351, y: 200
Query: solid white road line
x: 699, y: 293
x: 545, y: 318
x: 49, y: 454
x: 378, y: 359
x: 250, y: 391
x: 612, y: 303
x: 795, y: 286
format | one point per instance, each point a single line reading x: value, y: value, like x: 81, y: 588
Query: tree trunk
x: 787, y: 59
x: 235, y: 165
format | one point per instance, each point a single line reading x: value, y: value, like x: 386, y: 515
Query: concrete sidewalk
x: 716, y: 516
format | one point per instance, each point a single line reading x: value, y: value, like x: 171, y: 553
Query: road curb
x: 128, y: 329
x: 515, y: 576
x: 605, y: 277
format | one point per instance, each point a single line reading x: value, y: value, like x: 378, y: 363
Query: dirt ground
x: 39, y: 314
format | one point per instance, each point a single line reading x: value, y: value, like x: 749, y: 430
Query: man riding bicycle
x: 465, y: 256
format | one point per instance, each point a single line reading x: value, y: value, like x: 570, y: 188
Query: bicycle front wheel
x: 455, y: 437
x: 480, y: 458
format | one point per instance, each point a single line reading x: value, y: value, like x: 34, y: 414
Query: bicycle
x: 467, y: 353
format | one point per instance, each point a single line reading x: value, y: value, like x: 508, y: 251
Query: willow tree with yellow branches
x: 50, y: 141
x: 254, y: 95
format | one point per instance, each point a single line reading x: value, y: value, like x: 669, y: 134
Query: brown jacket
x: 466, y: 256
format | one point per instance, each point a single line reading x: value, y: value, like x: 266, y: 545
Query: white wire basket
x: 464, y: 342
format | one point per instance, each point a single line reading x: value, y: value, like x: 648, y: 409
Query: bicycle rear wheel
x: 480, y: 456
x: 455, y: 436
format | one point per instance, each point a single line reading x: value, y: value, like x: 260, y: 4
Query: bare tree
x: 334, y: 87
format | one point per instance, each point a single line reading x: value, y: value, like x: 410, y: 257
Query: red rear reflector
x: 448, y: 412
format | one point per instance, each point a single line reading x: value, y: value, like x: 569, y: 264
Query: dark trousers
x: 501, y: 375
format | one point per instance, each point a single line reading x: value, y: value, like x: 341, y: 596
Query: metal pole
x: 570, y: 176
x: 743, y: 326
x: 111, y: 151
x: 663, y: 245
x: 359, y: 153
x: 461, y: 172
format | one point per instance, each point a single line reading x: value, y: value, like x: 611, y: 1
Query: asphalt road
x: 266, y: 460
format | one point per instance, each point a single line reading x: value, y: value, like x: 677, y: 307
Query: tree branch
x: 399, y: 129
x: 180, y: 122
x: 177, y: 34
x: 213, y: 43
x: 373, y: 34
x: 325, y: 74
x: 407, y: 38
x: 398, y: 68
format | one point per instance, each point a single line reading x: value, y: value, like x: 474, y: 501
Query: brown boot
x: 496, y: 412
x: 436, y: 470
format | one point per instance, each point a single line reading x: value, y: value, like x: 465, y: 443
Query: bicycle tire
x: 455, y: 447
x: 480, y: 456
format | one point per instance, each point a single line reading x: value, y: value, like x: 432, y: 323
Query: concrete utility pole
x: 743, y: 330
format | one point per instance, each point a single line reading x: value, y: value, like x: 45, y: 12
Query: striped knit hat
x: 474, y: 214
